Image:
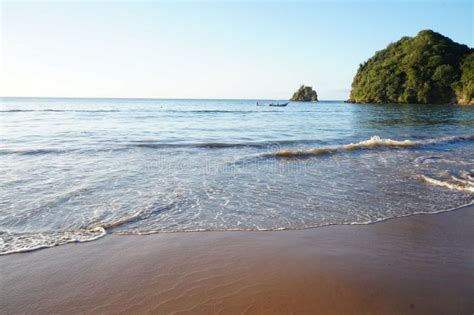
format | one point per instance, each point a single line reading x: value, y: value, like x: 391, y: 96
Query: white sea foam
x: 454, y: 183
x: 373, y: 143
x: 23, y: 242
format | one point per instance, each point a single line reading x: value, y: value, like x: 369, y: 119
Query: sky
x: 214, y: 49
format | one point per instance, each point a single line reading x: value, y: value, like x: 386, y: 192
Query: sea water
x: 73, y: 170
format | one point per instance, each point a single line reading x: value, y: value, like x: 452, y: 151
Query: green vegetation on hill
x: 465, y: 87
x: 427, y: 68
x: 305, y: 94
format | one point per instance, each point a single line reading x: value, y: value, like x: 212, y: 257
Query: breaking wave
x: 454, y: 183
x: 373, y: 143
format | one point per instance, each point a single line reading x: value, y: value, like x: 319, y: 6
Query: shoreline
x: 415, y: 264
x: 106, y: 234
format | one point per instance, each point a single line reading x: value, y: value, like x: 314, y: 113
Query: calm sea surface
x: 77, y: 169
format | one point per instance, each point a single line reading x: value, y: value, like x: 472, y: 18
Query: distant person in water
x: 258, y: 104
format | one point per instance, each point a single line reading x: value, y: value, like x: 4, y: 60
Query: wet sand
x: 422, y: 264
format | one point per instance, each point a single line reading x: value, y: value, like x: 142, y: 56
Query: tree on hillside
x: 420, y: 69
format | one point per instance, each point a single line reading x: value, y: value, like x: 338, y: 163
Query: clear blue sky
x: 206, y: 50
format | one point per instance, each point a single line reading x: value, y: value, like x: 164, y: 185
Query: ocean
x: 77, y: 169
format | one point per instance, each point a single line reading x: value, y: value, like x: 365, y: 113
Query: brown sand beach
x: 422, y: 264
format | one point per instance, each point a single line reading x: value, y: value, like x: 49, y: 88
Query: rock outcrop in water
x: 426, y: 69
x: 305, y: 94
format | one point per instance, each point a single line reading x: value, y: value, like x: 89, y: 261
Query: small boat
x: 279, y: 105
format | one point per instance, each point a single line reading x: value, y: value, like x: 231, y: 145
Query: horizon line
x: 160, y: 98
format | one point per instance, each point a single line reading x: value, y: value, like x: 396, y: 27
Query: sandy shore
x: 421, y: 264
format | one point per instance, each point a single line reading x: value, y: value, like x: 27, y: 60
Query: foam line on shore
x: 25, y: 242
x: 95, y: 233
